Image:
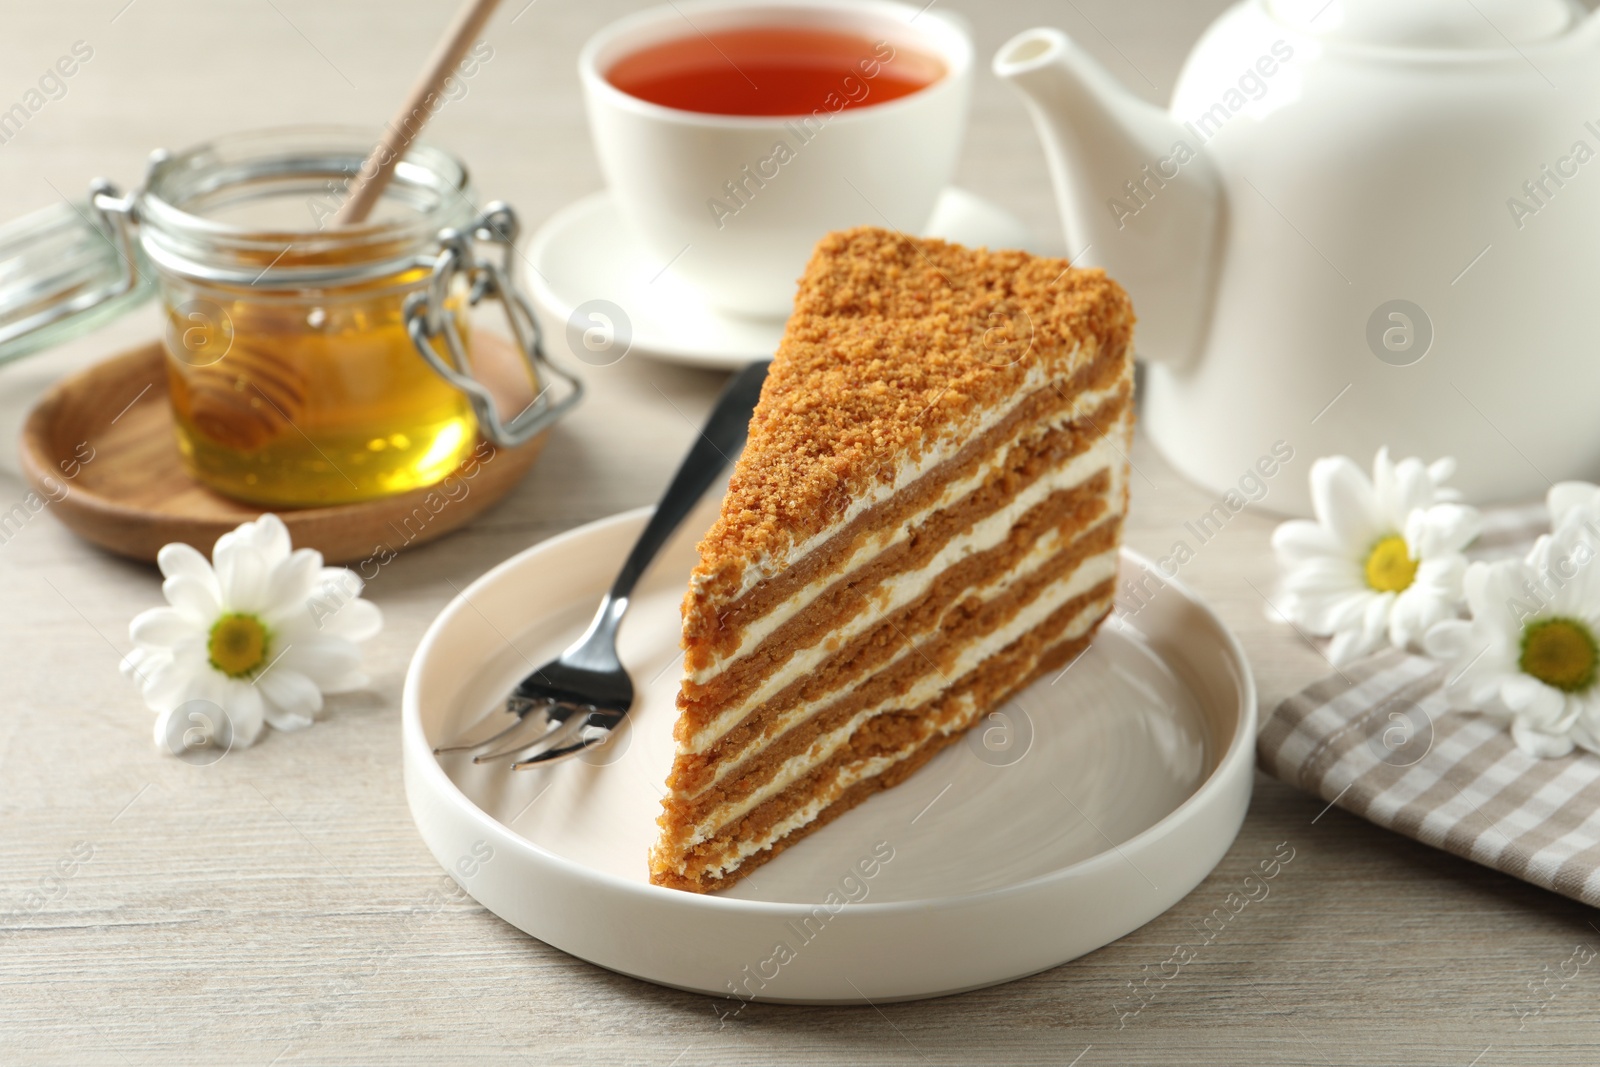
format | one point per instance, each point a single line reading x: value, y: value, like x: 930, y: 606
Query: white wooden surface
x: 278, y: 907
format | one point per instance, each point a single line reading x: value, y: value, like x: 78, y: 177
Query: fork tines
x: 554, y: 725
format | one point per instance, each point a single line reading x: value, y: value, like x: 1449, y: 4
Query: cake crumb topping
x: 896, y: 345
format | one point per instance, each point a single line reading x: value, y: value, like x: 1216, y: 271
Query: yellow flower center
x: 1561, y: 653
x: 1390, y: 567
x: 238, y: 644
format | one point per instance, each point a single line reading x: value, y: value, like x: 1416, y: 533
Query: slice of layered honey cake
x: 925, y: 519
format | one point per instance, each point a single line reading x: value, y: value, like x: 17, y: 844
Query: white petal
x: 1494, y: 593
x: 1375, y: 619
x: 292, y: 699
x: 1349, y: 645
x: 1440, y: 470
x: 1538, y: 557
x: 292, y: 581
x: 242, y: 575
x: 1567, y: 564
x: 1567, y: 498
x: 1585, y: 730
x: 1447, y: 570
x: 161, y: 627
x: 1342, y: 497
x: 1450, y: 640
x: 1301, y: 540
x: 1532, y: 699
x: 1327, y: 574
x: 342, y: 580
x: 272, y: 538
x: 195, y: 598
x: 167, y: 684
x: 1416, y: 611
x: 1539, y: 744
x: 143, y: 659
x: 286, y: 721
x: 1412, y: 488
x: 161, y: 730
x: 1483, y: 691
x: 1571, y: 709
x: 1386, y: 494
x: 181, y: 560
x: 267, y: 536
x: 1323, y: 615
x: 357, y: 620
x: 1441, y: 529
x: 332, y: 590
x: 1439, y: 582
x: 241, y: 702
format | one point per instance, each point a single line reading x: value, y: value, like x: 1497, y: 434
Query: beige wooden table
x: 278, y: 907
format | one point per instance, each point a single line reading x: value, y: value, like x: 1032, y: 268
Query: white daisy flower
x: 1529, y: 654
x: 263, y: 634
x: 1383, y: 559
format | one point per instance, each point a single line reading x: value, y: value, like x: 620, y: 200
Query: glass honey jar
x: 308, y: 363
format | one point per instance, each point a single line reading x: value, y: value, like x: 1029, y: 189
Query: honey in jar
x: 310, y: 400
x: 293, y: 378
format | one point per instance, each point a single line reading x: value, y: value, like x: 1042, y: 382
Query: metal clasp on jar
x: 428, y: 320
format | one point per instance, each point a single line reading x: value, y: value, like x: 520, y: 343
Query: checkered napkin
x: 1378, y: 739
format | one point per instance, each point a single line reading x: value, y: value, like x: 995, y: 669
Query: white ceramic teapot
x: 1362, y: 222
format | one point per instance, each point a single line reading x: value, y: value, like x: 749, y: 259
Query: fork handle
x: 721, y: 437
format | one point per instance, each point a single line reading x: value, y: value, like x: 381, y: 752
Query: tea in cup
x: 733, y: 135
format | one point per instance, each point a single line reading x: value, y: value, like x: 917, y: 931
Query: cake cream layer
x: 891, y: 747
x: 759, y: 624
x: 1088, y: 574
x: 1053, y: 557
x: 949, y: 609
x: 715, y: 625
x: 1018, y: 557
x: 756, y: 616
x: 861, y: 665
x: 886, y: 595
x: 936, y: 657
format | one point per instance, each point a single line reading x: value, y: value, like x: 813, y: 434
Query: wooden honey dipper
x: 250, y: 396
x: 246, y: 399
x: 368, y: 184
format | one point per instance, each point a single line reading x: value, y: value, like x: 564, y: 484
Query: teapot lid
x: 1433, y: 24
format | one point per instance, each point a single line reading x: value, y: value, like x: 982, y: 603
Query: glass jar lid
x: 65, y: 270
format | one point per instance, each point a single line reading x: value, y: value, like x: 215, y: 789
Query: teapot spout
x: 1136, y: 197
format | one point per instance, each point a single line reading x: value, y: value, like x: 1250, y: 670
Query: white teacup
x: 743, y: 246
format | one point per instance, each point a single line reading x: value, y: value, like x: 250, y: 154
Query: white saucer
x: 1050, y: 832
x: 584, y: 255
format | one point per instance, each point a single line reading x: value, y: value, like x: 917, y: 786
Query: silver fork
x: 586, y: 688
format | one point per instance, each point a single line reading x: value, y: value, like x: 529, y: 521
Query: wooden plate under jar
x: 133, y: 496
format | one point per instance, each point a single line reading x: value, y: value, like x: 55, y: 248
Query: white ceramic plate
x: 585, y: 260
x: 1084, y: 809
